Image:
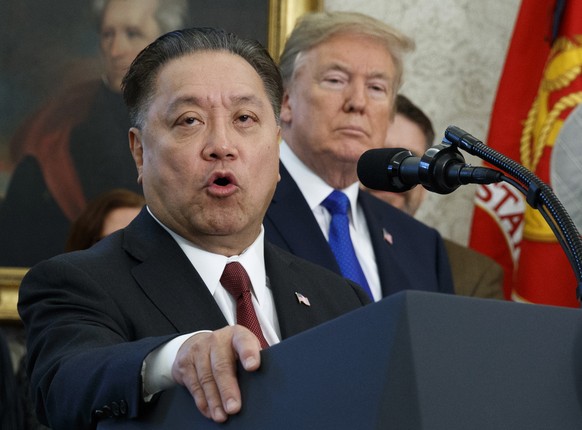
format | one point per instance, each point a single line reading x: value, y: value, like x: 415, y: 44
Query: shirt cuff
x: 157, y: 367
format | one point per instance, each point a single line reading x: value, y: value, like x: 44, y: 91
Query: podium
x: 414, y: 360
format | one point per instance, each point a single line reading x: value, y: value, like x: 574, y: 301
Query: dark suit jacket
x: 416, y: 259
x: 474, y: 274
x: 92, y: 316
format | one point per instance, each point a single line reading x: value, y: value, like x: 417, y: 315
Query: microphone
x: 441, y: 169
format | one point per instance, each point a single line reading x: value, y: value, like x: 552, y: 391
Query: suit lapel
x: 387, y: 259
x: 292, y: 218
x: 168, y: 278
x: 286, y: 279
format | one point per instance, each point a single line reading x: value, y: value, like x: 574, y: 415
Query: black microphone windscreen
x: 373, y: 167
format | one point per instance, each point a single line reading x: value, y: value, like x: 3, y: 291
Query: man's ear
x: 136, y: 148
x: 285, y: 108
x: 278, y: 149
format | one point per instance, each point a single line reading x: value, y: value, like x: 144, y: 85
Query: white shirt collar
x: 210, y: 266
x: 313, y: 188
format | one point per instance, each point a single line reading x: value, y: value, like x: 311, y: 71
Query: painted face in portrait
x: 208, y: 153
x: 127, y: 26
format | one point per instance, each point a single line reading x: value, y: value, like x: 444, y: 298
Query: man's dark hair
x: 139, y: 83
x: 412, y: 112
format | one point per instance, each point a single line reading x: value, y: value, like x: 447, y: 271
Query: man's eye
x: 246, y: 120
x: 189, y: 120
x: 333, y: 80
x: 133, y: 33
x: 107, y: 34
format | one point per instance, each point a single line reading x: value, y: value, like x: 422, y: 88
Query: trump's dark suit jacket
x: 409, y: 254
x: 93, y: 316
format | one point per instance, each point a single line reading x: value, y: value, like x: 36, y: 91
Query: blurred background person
x: 341, y: 72
x: 76, y: 147
x: 474, y: 274
x: 109, y: 212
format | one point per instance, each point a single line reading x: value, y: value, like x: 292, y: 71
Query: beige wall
x: 452, y: 75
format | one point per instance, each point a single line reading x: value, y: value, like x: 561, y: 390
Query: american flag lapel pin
x: 387, y: 237
x: 302, y: 299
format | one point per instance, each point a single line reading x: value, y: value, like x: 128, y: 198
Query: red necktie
x: 236, y: 281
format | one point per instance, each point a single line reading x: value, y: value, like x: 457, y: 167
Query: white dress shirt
x: 315, y: 191
x: 158, y: 364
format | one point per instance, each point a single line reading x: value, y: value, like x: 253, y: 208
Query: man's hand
x: 206, y: 365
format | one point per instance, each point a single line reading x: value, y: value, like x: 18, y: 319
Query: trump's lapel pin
x: 387, y: 237
x: 302, y: 299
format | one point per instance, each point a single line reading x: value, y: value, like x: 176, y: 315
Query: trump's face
x: 208, y: 152
x: 337, y: 104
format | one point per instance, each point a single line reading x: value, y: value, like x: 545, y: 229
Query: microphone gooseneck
x: 442, y: 170
x: 538, y: 195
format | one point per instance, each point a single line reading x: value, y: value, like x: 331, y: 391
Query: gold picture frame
x: 10, y: 278
x: 282, y: 17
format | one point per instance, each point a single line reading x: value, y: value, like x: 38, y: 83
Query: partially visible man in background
x: 474, y: 274
x: 341, y: 72
x: 75, y: 147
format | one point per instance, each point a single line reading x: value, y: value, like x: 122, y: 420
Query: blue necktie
x: 337, y: 203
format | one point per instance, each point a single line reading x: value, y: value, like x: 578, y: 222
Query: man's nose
x: 219, y: 143
x: 356, y: 98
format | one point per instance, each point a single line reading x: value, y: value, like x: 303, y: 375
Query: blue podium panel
x: 414, y: 360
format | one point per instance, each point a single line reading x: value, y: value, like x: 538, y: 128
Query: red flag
x: 540, y: 85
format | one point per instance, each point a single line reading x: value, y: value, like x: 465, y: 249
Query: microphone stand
x: 537, y: 194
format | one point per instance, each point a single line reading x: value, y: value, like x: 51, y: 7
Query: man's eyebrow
x: 338, y: 67
x: 335, y: 67
x: 247, y: 99
x: 182, y: 101
x: 197, y: 101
